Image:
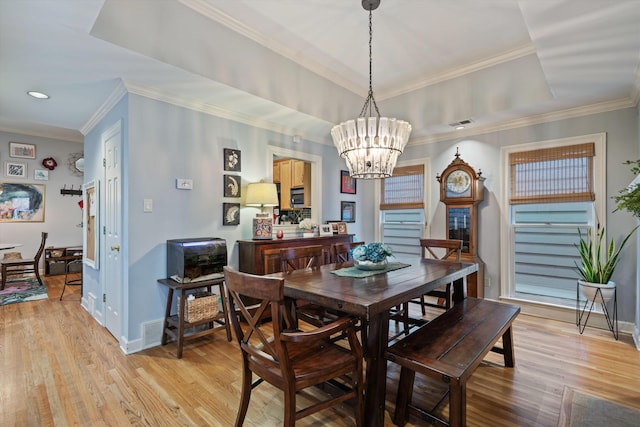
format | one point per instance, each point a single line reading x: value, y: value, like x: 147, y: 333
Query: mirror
x: 80, y: 164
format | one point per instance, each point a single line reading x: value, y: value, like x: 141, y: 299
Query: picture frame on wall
x: 230, y: 213
x: 347, y: 183
x: 41, y: 175
x: 232, y: 186
x: 15, y: 170
x: 348, y: 211
x: 23, y: 202
x: 232, y: 160
x: 21, y: 150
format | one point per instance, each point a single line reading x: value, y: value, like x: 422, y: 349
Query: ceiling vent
x: 461, y: 123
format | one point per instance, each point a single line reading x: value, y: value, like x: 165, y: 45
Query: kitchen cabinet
x: 290, y: 174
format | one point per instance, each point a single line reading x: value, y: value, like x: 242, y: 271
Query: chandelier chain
x: 370, y: 99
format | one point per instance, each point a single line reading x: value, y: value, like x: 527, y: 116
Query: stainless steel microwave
x: 297, y: 197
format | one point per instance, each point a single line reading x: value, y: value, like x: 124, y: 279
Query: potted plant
x: 629, y: 198
x: 597, y: 263
x: 307, y: 227
x: 372, y: 256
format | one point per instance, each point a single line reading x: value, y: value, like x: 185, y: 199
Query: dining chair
x: 290, y: 361
x: 341, y: 252
x: 443, y: 249
x: 302, y: 257
x: 13, y: 267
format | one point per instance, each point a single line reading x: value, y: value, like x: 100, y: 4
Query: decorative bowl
x: 370, y: 265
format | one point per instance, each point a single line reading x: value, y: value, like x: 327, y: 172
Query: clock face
x: 458, y: 182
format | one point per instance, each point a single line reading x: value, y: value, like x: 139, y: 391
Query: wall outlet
x: 487, y: 282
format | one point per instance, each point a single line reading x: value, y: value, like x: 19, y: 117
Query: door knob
x: 115, y: 248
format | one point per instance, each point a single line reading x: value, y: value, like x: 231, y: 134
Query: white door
x: 113, y: 230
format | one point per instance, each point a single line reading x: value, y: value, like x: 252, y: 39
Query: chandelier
x: 371, y: 144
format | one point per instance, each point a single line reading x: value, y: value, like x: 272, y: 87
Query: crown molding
x: 218, y: 112
x: 116, y: 95
x: 46, y: 134
x: 206, y: 9
x: 569, y: 113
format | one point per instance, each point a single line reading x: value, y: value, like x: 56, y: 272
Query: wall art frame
x: 232, y: 160
x: 348, y: 211
x: 91, y: 224
x: 231, y: 214
x: 232, y: 186
x: 41, y: 175
x: 347, y: 183
x: 22, y: 202
x: 21, y: 150
x: 15, y: 170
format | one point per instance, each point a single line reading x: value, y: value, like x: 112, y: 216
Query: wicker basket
x: 204, y: 306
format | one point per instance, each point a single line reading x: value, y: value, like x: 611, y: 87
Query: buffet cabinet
x: 263, y: 256
x: 56, y: 259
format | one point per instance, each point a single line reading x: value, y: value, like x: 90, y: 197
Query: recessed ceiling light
x: 37, y: 94
x: 459, y: 127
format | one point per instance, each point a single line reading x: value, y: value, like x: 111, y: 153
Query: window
x: 552, y: 189
x: 402, y: 209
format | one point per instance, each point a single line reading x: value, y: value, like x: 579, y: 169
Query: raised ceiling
x: 300, y: 67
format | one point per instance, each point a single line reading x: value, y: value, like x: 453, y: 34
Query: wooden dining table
x: 370, y: 299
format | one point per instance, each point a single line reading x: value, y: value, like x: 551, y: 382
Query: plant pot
x: 589, y: 290
x: 369, y: 265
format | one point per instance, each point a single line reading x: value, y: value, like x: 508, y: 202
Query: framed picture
x: 91, y: 222
x: 326, y: 230
x: 231, y: 186
x: 21, y: 202
x: 347, y: 183
x: 20, y: 150
x: 230, y: 213
x: 342, y: 228
x: 348, y: 211
x: 15, y: 170
x: 41, y: 175
x: 232, y: 160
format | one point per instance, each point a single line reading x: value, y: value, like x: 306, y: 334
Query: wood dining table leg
x: 376, y: 375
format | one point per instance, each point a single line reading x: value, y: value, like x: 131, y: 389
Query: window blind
x: 558, y: 174
x: 404, y: 190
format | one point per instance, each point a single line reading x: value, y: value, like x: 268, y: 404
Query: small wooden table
x: 175, y: 325
x: 371, y: 298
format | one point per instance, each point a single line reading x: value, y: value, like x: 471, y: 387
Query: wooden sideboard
x: 263, y: 256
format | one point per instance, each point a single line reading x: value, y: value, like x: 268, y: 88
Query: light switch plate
x: 148, y: 205
x: 184, y: 184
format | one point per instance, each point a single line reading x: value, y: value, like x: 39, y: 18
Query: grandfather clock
x: 461, y: 190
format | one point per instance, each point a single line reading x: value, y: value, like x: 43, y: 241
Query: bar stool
x: 72, y: 282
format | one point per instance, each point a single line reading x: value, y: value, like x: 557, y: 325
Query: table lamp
x: 262, y: 194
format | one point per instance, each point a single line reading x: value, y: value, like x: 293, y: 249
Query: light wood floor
x: 60, y: 368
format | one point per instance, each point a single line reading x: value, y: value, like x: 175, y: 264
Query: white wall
x: 62, y: 214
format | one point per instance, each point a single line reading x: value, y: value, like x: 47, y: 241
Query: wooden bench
x: 450, y: 348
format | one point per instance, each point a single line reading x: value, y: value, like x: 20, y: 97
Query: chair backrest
x: 452, y: 249
x: 341, y: 252
x: 41, y: 248
x: 301, y: 257
x: 257, y: 339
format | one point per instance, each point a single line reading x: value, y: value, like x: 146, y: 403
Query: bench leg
x: 405, y: 391
x: 458, y: 405
x: 507, y: 346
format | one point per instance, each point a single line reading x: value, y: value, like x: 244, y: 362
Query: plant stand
x: 598, y: 297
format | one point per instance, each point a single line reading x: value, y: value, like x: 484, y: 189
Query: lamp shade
x: 262, y: 194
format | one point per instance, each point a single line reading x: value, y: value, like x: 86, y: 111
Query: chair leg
x: 245, y: 397
x: 423, y: 305
x: 289, y: 407
x: 37, y: 271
